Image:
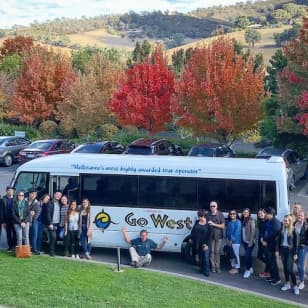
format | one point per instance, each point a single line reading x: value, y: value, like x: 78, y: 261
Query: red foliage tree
x: 219, y: 93
x: 17, y: 45
x: 41, y: 87
x: 144, y: 95
x: 294, y: 85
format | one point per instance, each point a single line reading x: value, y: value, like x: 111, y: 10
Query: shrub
x: 48, y: 128
x: 130, y: 129
x: 106, y: 131
x: 66, y: 129
x: 6, y: 129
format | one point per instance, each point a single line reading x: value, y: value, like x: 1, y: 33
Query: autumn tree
x: 17, y: 45
x: 219, y: 93
x: 143, y: 98
x: 86, y: 104
x: 41, y: 86
x: 6, y: 91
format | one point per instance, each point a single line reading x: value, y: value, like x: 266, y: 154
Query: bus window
x: 268, y: 190
x: 33, y: 180
x: 167, y: 192
x: 211, y: 189
x: 68, y: 185
x: 117, y: 190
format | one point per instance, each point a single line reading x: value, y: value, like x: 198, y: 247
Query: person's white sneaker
x: 296, y: 290
x: 246, y: 274
x: 73, y: 256
x: 286, y: 287
x: 251, y: 270
x: 77, y: 257
x: 301, y: 285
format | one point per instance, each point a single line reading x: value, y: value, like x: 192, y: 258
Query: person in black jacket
x: 201, y: 236
x: 269, y: 241
x: 6, y: 206
x: 51, y: 220
x: 21, y: 218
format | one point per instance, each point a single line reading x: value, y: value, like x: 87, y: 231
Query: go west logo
x: 158, y: 221
x: 102, y: 220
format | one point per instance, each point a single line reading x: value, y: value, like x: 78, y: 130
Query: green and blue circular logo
x: 103, y: 220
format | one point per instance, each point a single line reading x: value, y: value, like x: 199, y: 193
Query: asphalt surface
x: 173, y: 263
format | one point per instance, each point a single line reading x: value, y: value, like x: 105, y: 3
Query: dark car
x: 104, y: 147
x: 211, y: 150
x: 152, y: 146
x: 295, y: 164
x: 10, y: 147
x: 41, y: 148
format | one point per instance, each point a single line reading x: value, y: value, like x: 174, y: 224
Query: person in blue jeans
x: 201, y: 235
x: 301, y: 246
x: 234, y: 236
x: 85, y: 228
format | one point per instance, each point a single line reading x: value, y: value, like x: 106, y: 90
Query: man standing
x: 269, y: 241
x: 6, y: 207
x: 140, y: 251
x: 51, y: 219
x: 217, y: 221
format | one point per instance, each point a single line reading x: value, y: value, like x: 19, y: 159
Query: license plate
x: 30, y: 156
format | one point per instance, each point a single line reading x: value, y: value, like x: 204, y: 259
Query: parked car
x: 104, y: 147
x: 152, y: 146
x: 295, y: 164
x: 211, y: 150
x: 10, y: 147
x: 41, y: 148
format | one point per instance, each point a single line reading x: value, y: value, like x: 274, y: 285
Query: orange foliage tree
x: 219, y: 94
x: 144, y: 96
x: 41, y: 86
x: 17, y: 45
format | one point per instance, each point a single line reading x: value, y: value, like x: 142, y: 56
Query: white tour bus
x: 161, y: 194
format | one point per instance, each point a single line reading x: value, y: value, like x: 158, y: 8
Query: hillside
x: 266, y: 46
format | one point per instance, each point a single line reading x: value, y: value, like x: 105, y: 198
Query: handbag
x: 23, y: 251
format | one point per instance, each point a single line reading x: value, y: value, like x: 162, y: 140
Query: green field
x: 53, y: 282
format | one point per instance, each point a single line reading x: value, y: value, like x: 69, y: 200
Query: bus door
x: 68, y: 185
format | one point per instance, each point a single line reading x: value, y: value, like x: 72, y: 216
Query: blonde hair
x: 290, y: 227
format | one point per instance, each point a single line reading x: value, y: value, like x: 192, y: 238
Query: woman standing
x: 63, y: 217
x: 21, y: 219
x: 286, y: 243
x: 71, y: 229
x: 248, y: 238
x: 233, y: 234
x: 85, y: 228
x: 297, y: 207
x: 201, y: 235
x: 261, y: 249
x: 301, y: 246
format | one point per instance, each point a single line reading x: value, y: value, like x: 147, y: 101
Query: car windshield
x: 88, y: 148
x: 2, y: 141
x: 198, y: 151
x: 41, y: 145
x: 139, y: 150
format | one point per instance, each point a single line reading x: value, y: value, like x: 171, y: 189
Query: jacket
x: 35, y: 206
x: 47, y: 213
x: 291, y: 239
x: 249, y: 232
x: 271, y: 233
x: 301, y: 239
x: 5, y: 213
x: 201, y: 235
x: 15, y: 213
x: 234, y: 231
x: 89, y: 225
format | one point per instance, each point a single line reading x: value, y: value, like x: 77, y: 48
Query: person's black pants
x: 261, y: 256
x: 288, y: 264
x: 52, y: 234
x: 11, y: 236
x: 272, y: 263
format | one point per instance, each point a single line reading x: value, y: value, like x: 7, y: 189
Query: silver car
x: 10, y: 147
x: 295, y: 164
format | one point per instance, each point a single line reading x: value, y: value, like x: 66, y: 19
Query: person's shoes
x: 133, y: 263
x: 207, y: 274
x: 37, y: 253
x: 77, y: 257
x: 138, y: 265
x: 286, y: 287
x: 247, y: 274
x: 251, y: 270
x: 233, y: 271
x: 264, y: 275
x: 301, y: 285
x: 73, y: 256
x: 268, y: 279
x: 88, y: 257
x: 213, y: 270
x: 276, y: 282
x: 10, y: 249
x: 218, y: 270
x: 296, y: 290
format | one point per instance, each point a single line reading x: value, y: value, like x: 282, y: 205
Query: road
x: 173, y: 263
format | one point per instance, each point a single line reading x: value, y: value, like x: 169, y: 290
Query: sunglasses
x: 21, y: 195
x: 232, y: 213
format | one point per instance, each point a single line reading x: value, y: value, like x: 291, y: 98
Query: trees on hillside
x: 144, y: 95
x: 252, y: 36
x: 17, y: 45
x: 219, y: 93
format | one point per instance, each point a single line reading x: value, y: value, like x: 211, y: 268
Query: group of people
x: 287, y: 240
x: 27, y: 220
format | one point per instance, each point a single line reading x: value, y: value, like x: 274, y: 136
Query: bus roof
x: 185, y: 166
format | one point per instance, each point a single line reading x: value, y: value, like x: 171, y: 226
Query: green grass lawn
x: 51, y: 282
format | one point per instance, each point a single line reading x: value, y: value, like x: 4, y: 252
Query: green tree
x: 281, y: 16
x: 11, y: 65
x: 242, y: 22
x: 252, y: 36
